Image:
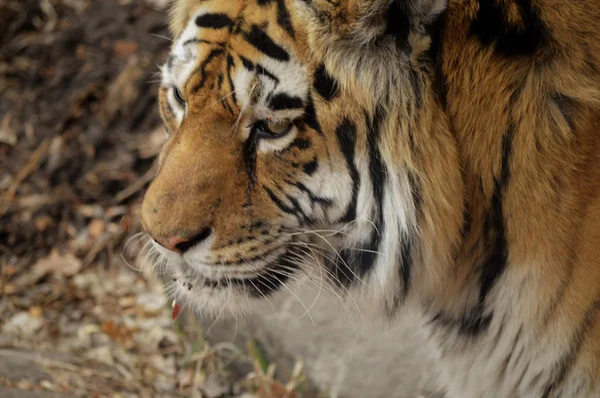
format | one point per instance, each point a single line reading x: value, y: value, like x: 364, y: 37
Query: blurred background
x: 79, y: 316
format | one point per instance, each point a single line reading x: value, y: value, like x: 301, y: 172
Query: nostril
x: 184, y: 246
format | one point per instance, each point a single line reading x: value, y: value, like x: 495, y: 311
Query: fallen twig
x: 32, y: 163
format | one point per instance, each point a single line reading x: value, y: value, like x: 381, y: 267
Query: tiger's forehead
x: 244, y: 26
x: 240, y: 48
x: 208, y: 28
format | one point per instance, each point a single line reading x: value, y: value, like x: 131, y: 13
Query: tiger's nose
x: 181, y: 244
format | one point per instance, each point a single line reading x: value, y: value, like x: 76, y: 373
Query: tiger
x: 439, y: 155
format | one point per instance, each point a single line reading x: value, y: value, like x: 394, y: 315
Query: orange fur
x: 502, y: 145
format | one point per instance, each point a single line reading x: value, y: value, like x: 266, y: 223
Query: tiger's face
x: 259, y: 181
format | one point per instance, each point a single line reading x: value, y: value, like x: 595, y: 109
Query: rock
x: 214, y: 386
x: 64, y: 265
x: 22, y: 324
x: 102, y: 355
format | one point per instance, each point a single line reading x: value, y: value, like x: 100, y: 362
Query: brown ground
x: 78, y: 134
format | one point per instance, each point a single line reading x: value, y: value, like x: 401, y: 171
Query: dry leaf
x: 9, y: 289
x: 56, y: 263
x: 35, y: 312
x: 110, y: 328
x: 125, y: 48
x: 275, y: 390
x: 96, y: 228
x: 10, y: 270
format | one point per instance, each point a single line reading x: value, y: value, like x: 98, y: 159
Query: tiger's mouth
x: 256, y: 283
x: 231, y: 291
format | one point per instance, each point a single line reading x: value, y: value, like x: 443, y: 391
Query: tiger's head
x: 291, y: 134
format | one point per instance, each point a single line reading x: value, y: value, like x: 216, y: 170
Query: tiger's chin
x: 230, y: 294
x: 223, y: 302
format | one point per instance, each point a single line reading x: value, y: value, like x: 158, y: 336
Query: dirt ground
x: 79, y: 130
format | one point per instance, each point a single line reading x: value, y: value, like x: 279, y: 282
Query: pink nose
x: 172, y: 243
x: 180, y: 245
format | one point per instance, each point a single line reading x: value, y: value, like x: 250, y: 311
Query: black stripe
x: 512, y: 359
x: 298, y: 211
x: 406, y: 264
x: 301, y: 143
x: 214, y: 21
x: 513, y: 346
x: 202, y: 41
x: 434, y: 57
x: 273, y: 278
x: 376, y: 166
x: 494, y: 263
x: 467, y: 224
x: 259, y: 39
x: 200, y: 84
x: 226, y: 106
x: 415, y: 82
x: 250, y: 148
x: 342, y: 267
x: 262, y: 71
x: 310, y: 167
x: 492, y: 28
x: 312, y: 197
x: 377, y: 174
x: 230, y: 66
x: 282, y: 206
x: 283, y: 101
x: 415, y: 191
x: 467, y: 324
x: 326, y: 86
x: 283, y: 18
x: 362, y: 260
x: 310, y: 117
x: 202, y: 69
x: 247, y: 63
x: 435, y: 30
x: 212, y: 55
x: 398, y: 25
x: 346, y: 136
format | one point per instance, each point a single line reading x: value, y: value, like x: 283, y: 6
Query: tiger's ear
x: 180, y: 13
x: 364, y: 21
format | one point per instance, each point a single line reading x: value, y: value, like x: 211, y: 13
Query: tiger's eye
x: 178, y: 96
x: 278, y: 128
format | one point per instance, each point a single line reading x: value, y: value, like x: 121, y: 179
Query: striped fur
x: 440, y: 155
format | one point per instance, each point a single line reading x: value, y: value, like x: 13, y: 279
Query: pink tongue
x: 176, y: 311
